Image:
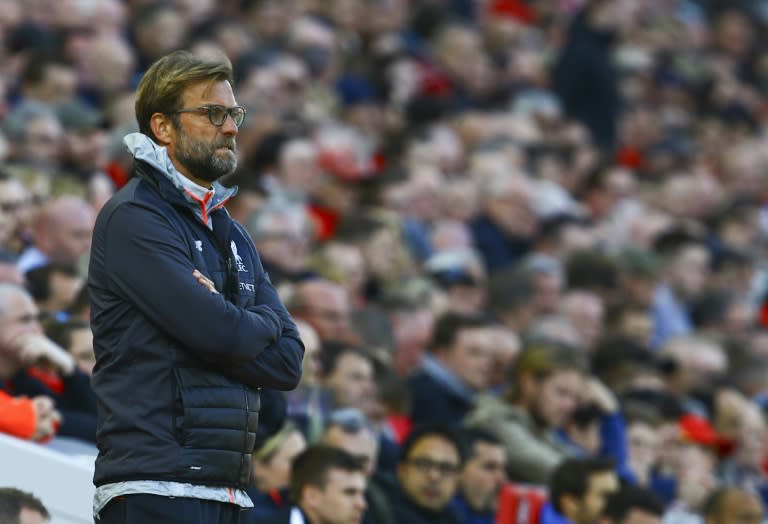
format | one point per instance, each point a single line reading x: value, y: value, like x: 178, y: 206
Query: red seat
x: 520, y: 504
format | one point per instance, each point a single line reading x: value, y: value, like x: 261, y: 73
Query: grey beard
x: 206, y: 165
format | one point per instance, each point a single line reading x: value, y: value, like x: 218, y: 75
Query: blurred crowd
x: 523, y: 239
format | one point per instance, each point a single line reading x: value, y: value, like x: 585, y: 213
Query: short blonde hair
x: 540, y: 359
x: 269, y: 449
x: 161, y: 89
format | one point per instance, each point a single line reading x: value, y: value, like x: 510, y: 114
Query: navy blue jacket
x: 178, y: 367
x: 434, y: 401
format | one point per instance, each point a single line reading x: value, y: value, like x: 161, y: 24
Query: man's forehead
x: 603, y: 479
x: 208, y: 89
x: 433, y: 445
x: 346, y: 478
x: 489, y: 448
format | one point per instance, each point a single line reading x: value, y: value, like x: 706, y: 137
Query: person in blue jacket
x: 187, y: 326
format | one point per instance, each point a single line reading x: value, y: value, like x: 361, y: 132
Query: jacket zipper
x: 245, y: 436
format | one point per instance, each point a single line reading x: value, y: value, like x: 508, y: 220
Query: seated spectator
x: 632, y: 505
x: 349, y: 377
x: 34, y: 365
x: 282, y: 233
x: 482, y: 476
x: 428, y: 476
x: 62, y: 234
x: 685, y: 268
x: 77, y: 338
x: 504, y: 230
x: 54, y: 287
x: 744, y: 467
x: 731, y: 505
x: 456, y: 369
x: 350, y: 382
x: 546, y: 381
x: 15, y: 208
x: 325, y: 306
x: 460, y: 275
x: 349, y: 430
x: 511, y: 295
x: 305, y: 403
x: 642, y: 443
x: 22, y: 507
x: 694, y: 458
x: 327, y: 486
x: 271, y: 472
x: 578, y: 489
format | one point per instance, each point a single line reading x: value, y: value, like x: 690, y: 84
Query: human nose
x: 229, y: 127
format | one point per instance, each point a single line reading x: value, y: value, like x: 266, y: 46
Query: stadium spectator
x: 456, y: 369
x: 327, y: 485
x: 482, y: 477
x: 631, y: 504
x: 22, y: 507
x: 271, y: 471
x: 62, y: 234
x: 428, y: 476
x: 578, y: 490
x: 349, y: 430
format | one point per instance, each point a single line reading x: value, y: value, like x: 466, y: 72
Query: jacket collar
x: 181, y: 190
x: 441, y: 374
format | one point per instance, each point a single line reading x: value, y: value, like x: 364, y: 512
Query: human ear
x: 162, y: 127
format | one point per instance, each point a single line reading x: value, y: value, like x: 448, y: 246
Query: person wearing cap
x: 84, y: 151
x: 181, y: 305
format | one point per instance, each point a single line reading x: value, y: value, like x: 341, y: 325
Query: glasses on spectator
x: 217, y: 114
x: 424, y: 465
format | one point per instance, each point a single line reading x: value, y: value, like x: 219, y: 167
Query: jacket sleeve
x: 527, y: 455
x: 17, y: 416
x: 148, y: 265
x: 613, y: 439
x: 78, y: 394
x: 279, y: 365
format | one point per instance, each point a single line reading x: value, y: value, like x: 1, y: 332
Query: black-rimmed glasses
x: 217, y: 114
